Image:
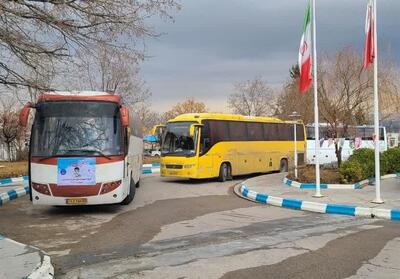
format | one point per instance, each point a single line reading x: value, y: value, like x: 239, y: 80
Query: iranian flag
x: 305, y: 61
x: 369, y: 51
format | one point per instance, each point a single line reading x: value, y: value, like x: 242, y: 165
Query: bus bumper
x: 181, y: 173
x: 113, y: 197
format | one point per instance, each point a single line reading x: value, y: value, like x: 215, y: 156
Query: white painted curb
x: 243, y: 191
x: 44, y: 270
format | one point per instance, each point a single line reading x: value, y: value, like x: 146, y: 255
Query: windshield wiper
x: 89, y: 150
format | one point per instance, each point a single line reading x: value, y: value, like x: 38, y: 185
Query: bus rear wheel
x: 223, y: 172
x: 131, y: 195
x: 283, y: 167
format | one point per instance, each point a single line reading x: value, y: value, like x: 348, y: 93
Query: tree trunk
x: 9, y: 150
x: 338, y: 152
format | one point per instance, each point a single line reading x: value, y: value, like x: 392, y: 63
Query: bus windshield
x: 177, y: 140
x: 70, y: 128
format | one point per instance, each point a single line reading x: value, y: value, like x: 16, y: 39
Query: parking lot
x: 185, y: 229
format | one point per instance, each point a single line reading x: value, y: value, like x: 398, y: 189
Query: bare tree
x: 10, y: 131
x: 389, y: 89
x: 343, y: 94
x: 190, y: 105
x: 148, y: 117
x: 291, y: 100
x: 252, y: 97
x: 113, y: 71
x: 35, y: 33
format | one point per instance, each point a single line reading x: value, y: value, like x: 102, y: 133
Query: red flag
x: 369, y: 50
x: 305, y: 61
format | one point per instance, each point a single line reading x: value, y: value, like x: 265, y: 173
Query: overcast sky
x: 215, y: 43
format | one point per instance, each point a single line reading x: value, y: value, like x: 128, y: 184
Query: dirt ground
x: 306, y: 174
x: 150, y: 160
x: 13, y: 169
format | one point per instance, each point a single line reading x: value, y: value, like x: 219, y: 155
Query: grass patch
x: 13, y: 169
x: 150, y: 160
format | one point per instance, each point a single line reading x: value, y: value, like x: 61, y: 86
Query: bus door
x: 205, y: 159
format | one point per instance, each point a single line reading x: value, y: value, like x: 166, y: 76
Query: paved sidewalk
x: 272, y: 184
x: 18, y: 261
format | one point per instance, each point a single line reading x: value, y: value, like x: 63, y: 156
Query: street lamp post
x: 295, y: 116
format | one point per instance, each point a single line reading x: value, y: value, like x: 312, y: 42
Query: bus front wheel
x: 131, y: 195
x: 223, y: 172
x: 283, y: 166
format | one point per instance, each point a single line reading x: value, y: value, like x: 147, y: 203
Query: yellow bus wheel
x: 223, y: 172
x: 283, y: 167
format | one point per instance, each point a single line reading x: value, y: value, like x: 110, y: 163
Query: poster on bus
x: 76, y: 171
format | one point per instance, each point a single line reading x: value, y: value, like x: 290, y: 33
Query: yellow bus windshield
x: 177, y: 141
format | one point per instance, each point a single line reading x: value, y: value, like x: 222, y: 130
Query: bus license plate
x: 79, y: 201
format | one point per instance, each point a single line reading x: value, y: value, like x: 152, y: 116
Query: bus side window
x: 126, y: 137
x: 299, y: 132
x: 310, y: 133
x: 237, y: 131
x: 205, y: 139
x: 255, y: 131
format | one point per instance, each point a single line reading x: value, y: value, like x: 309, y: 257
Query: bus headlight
x: 41, y: 188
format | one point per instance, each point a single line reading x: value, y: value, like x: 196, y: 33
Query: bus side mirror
x: 124, y: 116
x: 24, y: 115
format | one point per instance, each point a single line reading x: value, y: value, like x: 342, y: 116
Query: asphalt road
x: 186, y: 229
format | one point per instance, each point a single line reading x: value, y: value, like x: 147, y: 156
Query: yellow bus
x: 208, y: 145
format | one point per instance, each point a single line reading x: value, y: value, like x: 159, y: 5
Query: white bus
x: 358, y: 137
x: 84, y: 149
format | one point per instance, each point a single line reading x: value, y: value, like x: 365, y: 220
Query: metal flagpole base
x: 378, y: 201
x: 318, y: 196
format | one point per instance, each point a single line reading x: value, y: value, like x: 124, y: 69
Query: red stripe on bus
x: 75, y: 191
x: 99, y: 160
x: 106, y: 98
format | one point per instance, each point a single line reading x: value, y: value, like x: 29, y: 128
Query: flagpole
x: 378, y: 198
x: 316, y: 114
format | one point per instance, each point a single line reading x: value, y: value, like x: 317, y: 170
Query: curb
x: 357, y: 185
x: 10, y: 180
x: 243, y: 191
x: 151, y: 168
x: 44, y: 270
x: 13, y: 194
